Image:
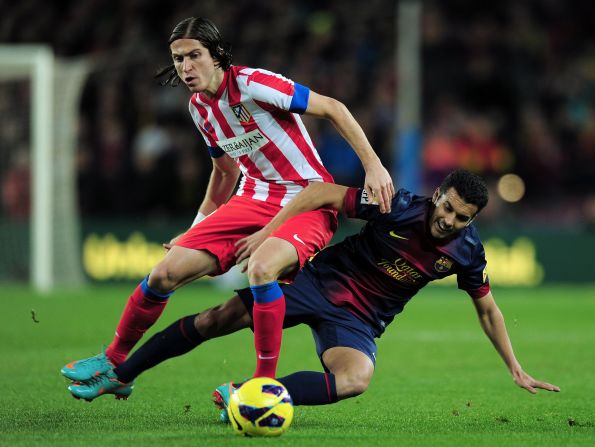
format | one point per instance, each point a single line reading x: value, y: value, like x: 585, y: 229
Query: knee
x: 206, y: 322
x: 162, y: 279
x: 261, y: 271
x: 223, y: 319
x: 351, y: 384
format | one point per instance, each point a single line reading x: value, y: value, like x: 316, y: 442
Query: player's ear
x: 436, y: 196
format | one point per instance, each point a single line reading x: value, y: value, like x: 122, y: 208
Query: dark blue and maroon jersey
x: 376, y: 272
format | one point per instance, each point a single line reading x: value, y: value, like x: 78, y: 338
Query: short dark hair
x: 205, y: 31
x: 471, y: 187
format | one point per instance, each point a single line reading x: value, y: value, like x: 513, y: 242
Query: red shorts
x: 240, y: 217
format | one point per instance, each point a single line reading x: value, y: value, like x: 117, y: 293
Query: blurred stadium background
x: 507, y: 89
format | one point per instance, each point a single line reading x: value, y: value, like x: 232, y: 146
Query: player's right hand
x: 248, y: 245
x: 379, y: 185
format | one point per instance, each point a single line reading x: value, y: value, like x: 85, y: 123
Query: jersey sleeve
x: 277, y: 91
x: 474, y: 279
x: 359, y: 205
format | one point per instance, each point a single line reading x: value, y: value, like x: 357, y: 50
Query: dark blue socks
x: 177, y: 339
x: 311, y: 388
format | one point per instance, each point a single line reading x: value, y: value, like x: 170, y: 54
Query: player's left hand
x: 379, y: 185
x: 524, y: 380
x: 172, y: 242
x: 248, y: 245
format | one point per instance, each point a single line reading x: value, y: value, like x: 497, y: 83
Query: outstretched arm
x: 315, y: 195
x: 378, y: 182
x: 492, y: 322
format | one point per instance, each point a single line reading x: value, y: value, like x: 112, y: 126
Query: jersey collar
x: 219, y: 92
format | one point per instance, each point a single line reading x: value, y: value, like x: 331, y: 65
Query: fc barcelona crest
x: 443, y: 264
x: 241, y: 113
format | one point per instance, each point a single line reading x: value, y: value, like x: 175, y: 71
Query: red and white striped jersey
x: 254, y: 118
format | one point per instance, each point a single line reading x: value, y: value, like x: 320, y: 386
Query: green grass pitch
x: 438, y: 381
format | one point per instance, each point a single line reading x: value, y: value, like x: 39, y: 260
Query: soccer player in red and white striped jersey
x: 250, y: 121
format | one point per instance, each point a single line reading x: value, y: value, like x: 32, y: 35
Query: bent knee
x: 223, y: 319
x: 357, y: 386
x: 351, y: 385
x: 261, y: 271
x: 207, y: 322
x: 162, y: 279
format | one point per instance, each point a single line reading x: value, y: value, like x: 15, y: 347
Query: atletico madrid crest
x: 241, y: 113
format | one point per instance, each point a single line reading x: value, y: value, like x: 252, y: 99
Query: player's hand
x: 379, y: 185
x: 170, y: 244
x: 248, y: 245
x: 524, y: 380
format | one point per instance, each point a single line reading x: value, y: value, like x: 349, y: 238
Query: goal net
x: 39, y: 222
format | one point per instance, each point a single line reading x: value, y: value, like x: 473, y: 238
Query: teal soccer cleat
x: 86, y: 369
x: 221, y: 397
x: 107, y: 383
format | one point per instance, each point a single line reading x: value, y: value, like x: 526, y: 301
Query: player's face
x: 195, y: 66
x: 451, y: 214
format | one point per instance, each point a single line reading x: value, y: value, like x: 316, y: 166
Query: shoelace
x: 97, y: 380
x: 97, y: 358
x: 103, y: 380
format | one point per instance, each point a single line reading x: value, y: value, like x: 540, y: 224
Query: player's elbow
x: 336, y: 110
x: 326, y: 107
x: 491, y: 314
x: 225, y: 167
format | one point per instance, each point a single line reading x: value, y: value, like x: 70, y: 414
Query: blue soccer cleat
x: 86, y: 369
x: 107, y: 383
x: 221, y: 397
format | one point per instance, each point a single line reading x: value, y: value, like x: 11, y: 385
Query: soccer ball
x: 260, y: 407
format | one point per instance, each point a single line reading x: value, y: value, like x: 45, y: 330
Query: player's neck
x: 214, y: 85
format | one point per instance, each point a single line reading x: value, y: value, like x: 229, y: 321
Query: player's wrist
x: 371, y: 162
x: 515, y: 369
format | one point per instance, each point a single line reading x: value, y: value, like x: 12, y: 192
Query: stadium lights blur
x: 511, y: 188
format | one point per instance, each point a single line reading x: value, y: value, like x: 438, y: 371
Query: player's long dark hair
x: 471, y: 187
x: 206, y: 33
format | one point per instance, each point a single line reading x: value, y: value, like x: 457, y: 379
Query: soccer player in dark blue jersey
x: 351, y: 291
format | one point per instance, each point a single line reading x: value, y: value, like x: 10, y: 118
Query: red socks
x: 268, y: 314
x: 143, y: 309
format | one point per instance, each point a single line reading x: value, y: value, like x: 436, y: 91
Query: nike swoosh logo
x: 261, y: 357
x: 393, y: 234
x: 297, y: 238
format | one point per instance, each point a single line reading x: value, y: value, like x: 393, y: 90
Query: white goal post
x: 55, y: 88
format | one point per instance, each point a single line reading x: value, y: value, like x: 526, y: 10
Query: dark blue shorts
x: 331, y: 325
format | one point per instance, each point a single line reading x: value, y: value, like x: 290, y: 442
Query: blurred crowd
x: 508, y: 87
